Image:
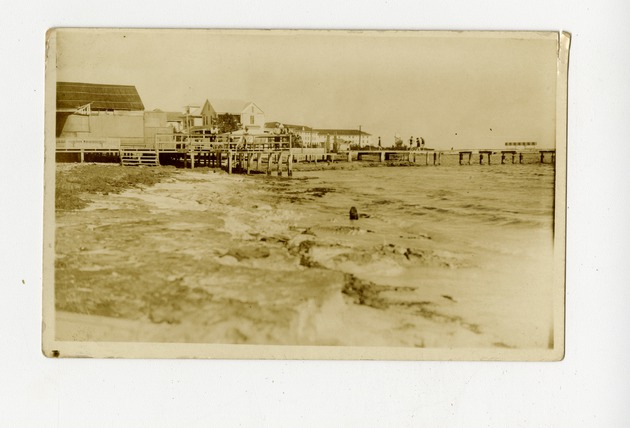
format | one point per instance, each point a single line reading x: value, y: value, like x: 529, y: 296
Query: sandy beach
x: 207, y: 257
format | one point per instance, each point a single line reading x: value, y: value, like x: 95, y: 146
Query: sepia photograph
x: 305, y: 194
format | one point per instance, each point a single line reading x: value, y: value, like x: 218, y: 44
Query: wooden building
x: 97, y: 111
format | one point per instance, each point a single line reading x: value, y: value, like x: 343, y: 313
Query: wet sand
x: 214, y: 258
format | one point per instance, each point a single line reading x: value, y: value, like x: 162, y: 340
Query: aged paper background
x: 588, y: 388
x: 99, y: 348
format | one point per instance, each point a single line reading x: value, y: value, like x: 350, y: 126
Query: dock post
x: 229, y: 162
x: 513, y: 154
x: 502, y: 158
x: 258, y: 160
x: 279, y: 164
x: 520, y: 158
x: 434, y: 158
x: 249, y: 162
x: 349, y: 156
x: 382, y: 157
x: 269, y: 158
x: 439, y: 158
x: 542, y: 157
x: 82, y: 156
x: 290, y: 165
x: 489, y: 158
x: 192, y: 160
x: 480, y: 158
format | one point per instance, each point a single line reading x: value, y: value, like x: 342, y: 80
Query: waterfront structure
x: 308, y: 136
x: 99, y: 111
x: 344, y: 137
x: 155, y: 123
x: 206, y: 116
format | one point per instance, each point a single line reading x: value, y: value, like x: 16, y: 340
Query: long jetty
x: 268, y: 153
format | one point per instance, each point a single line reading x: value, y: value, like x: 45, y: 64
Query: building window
x: 251, y: 119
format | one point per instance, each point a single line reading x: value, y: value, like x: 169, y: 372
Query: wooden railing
x: 184, y: 143
x: 87, y: 144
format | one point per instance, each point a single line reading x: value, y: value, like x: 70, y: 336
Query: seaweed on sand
x: 72, y: 185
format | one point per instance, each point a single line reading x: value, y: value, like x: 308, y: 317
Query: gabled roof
x: 229, y: 106
x: 197, y: 110
x: 72, y: 95
x: 246, y: 107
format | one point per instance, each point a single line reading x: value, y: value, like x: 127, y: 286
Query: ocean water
x: 445, y: 256
x: 463, y: 253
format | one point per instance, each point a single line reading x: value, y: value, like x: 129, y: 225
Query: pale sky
x: 453, y: 89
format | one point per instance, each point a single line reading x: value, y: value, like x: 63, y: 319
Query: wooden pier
x: 244, y: 153
x: 267, y: 153
x: 465, y: 156
x: 426, y: 157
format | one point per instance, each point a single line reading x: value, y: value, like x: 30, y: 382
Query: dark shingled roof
x: 71, y: 95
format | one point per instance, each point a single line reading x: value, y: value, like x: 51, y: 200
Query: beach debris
x: 446, y: 296
x: 354, y: 214
x: 364, y: 292
x: 249, y: 252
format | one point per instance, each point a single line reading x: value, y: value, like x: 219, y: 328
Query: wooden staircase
x: 136, y: 157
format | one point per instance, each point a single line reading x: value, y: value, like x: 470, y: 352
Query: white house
x: 253, y: 118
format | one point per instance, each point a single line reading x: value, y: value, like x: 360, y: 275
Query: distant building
x: 99, y: 111
x: 307, y: 135
x: 175, y: 120
x: 200, y: 118
x: 344, y: 137
x: 196, y: 116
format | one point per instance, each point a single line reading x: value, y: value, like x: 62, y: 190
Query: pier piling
x: 279, y: 164
x: 290, y: 165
